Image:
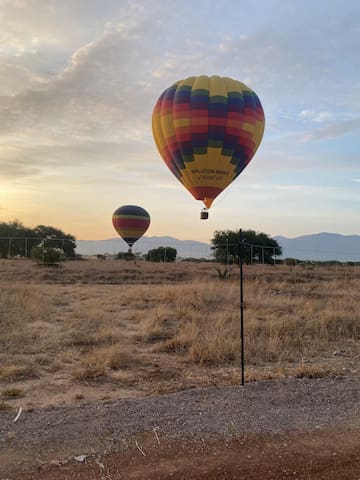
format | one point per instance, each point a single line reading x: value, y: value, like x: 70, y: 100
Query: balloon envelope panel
x: 207, y: 129
x: 131, y: 222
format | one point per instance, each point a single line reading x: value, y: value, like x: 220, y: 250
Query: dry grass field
x: 107, y: 329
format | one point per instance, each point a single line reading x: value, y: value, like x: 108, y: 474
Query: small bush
x: 126, y: 256
x: 47, y: 255
x: 223, y: 274
x: 90, y: 371
x: 12, y: 393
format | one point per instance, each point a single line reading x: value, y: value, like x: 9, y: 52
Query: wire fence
x: 224, y: 258
x: 226, y: 253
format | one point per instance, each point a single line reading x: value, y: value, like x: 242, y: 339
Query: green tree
x: 257, y: 247
x: 161, y: 254
x: 16, y: 239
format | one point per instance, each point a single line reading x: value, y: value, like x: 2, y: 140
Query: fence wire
x: 11, y: 247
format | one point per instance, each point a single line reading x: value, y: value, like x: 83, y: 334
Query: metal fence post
x: 241, y: 308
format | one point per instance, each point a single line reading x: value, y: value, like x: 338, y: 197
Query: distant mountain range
x: 185, y: 248
x: 320, y: 246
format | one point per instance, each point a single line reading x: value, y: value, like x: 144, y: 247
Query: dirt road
x: 293, y: 428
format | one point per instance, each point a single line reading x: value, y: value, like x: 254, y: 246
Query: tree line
x: 256, y: 247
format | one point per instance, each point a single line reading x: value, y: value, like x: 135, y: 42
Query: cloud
x: 108, y: 81
x: 314, y: 116
x: 77, y: 160
x: 334, y: 130
x: 18, y: 169
x: 77, y: 95
x: 16, y: 78
x: 29, y: 26
x: 108, y: 85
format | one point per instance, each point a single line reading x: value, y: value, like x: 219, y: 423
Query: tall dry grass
x: 111, y: 329
x: 25, y: 311
x: 284, y: 323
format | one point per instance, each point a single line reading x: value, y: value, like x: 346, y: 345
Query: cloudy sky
x: 79, y: 80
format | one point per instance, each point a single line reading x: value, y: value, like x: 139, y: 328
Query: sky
x: 79, y: 80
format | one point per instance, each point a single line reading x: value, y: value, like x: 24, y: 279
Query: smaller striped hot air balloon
x: 131, y: 222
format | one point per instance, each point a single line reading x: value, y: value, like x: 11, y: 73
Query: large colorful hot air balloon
x: 207, y: 130
x: 131, y: 222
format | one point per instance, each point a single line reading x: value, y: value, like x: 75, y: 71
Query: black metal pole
x: 241, y: 308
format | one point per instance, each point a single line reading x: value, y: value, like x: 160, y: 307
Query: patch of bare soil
x: 327, y: 455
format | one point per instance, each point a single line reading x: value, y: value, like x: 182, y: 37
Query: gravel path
x: 270, y: 407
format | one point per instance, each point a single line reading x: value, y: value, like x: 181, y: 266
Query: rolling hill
x: 320, y: 246
x: 185, y: 248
